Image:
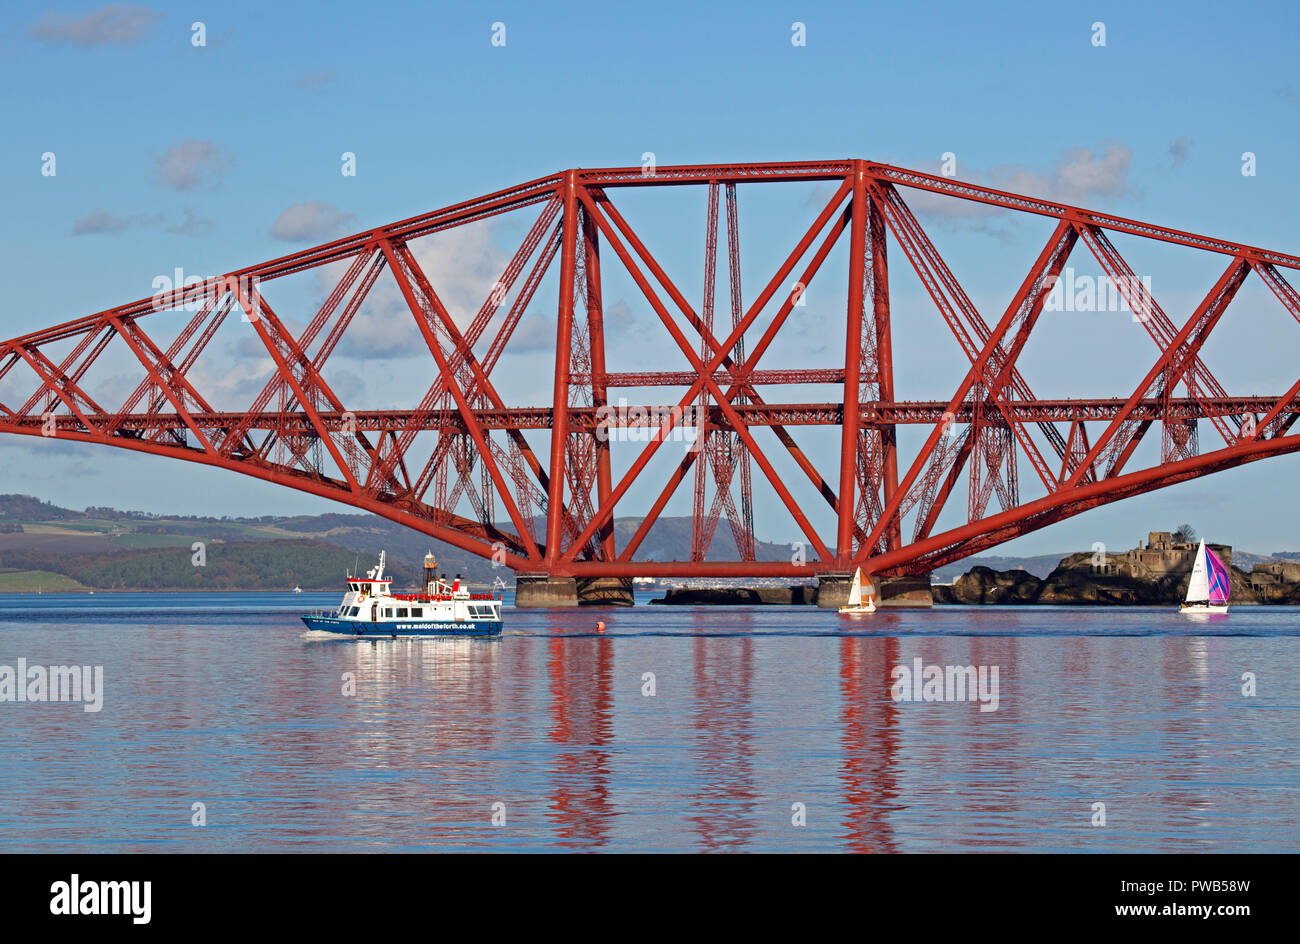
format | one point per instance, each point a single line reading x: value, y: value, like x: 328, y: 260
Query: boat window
x: 401, y: 612
x: 417, y: 612
x: 388, y: 611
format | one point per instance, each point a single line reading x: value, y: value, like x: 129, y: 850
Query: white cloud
x: 233, y: 384
x: 192, y: 225
x: 111, y: 392
x: 1079, y: 177
x: 311, y: 222
x: 100, y: 222
x: 184, y: 166
x: 534, y: 332
x: 463, y: 265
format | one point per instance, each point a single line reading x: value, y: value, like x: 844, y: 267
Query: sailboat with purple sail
x: 1208, y: 590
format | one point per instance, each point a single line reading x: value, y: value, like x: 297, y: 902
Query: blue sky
x: 174, y: 155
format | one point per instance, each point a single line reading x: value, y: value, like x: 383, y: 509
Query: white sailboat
x: 1208, y: 590
x: 856, y: 604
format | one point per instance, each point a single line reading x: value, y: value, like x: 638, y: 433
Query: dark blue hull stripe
x: 403, y: 627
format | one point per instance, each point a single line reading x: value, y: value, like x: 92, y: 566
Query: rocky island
x: 1154, y: 575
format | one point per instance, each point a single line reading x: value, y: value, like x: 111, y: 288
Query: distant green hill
x: 106, y: 547
x: 259, y: 565
x: 139, y: 549
x: 27, y: 508
x: 35, y: 581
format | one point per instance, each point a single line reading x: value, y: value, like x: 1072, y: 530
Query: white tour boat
x: 444, y: 608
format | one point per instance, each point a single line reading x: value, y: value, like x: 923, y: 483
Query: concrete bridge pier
x: 893, y: 592
x: 545, y: 590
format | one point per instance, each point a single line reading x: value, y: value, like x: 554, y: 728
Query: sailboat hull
x: 863, y: 609
x: 1195, y: 609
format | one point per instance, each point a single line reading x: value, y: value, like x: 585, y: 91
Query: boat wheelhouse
x: 444, y: 608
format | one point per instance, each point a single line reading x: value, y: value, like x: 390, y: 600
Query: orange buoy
x: 600, y: 626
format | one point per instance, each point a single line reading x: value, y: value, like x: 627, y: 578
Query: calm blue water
x: 219, y: 699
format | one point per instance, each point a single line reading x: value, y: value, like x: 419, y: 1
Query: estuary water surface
x: 677, y: 729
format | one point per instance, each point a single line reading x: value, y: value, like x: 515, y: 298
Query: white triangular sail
x: 1198, y: 588
x: 855, y: 591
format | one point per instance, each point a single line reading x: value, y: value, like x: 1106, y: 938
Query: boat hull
x: 391, y: 630
x: 857, y: 610
x: 1194, y: 609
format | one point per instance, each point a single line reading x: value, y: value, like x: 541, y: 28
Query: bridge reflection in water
x: 549, y: 737
x: 746, y: 720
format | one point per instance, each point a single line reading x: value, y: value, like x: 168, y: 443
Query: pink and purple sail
x: 1218, y: 574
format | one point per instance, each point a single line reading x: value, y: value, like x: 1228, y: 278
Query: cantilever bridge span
x: 535, y: 486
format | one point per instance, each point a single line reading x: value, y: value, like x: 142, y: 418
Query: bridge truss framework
x: 552, y: 511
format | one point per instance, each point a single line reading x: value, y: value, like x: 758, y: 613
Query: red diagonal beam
x: 706, y: 377
x: 1024, y: 311
x: 484, y: 317
x: 1168, y: 369
x: 475, y: 429
x: 260, y: 318
x: 1026, y: 304
x: 59, y: 383
x: 73, y: 358
x: 1153, y: 318
x: 156, y: 363
x: 961, y: 315
x: 276, y: 385
x: 178, y: 344
x: 463, y: 359
x: 722, y: 350
x: 720, y: 354
x: 1288, y: 399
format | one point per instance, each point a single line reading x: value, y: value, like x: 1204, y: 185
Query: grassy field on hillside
x: 29, y: 581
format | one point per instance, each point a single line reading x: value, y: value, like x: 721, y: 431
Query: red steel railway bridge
x: 534, y: 487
